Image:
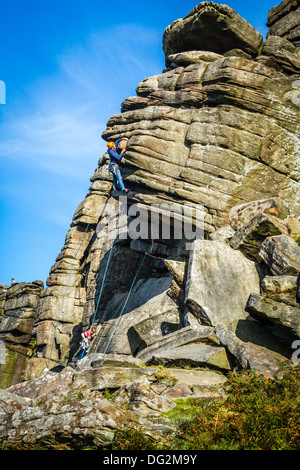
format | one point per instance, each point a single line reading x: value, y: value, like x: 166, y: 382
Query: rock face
x: 217, y: 130
x: 198, y: 266
x: 283, y: 21
x: 281, y: 254
x: 19, y: 307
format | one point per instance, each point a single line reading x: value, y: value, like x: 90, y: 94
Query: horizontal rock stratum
x: 218, y: 131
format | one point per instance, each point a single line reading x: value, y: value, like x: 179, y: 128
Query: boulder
x: 283, y: 53
x: 279, y: 284
x: 211, y: 27
x: 284, y: 21
x: 177, y: 269
x: 248, y: 355
x: 271, y: 339
x: 192, y: 355
x: 111, y: 377
x: 277, y: 313
x: 194, y: 377
x: 179, y: 390
x: 248, y: 239
x: 282, y: 254
x: 204, y: 384
x: 143, y: 334
x: 279, y: 11
x: 179, y: 338
x: 219, y: 282
x: 224, y: 234
x: 293, y: 225
x: 138, y: 397
x: 193, y: 57
x: 96, y: 360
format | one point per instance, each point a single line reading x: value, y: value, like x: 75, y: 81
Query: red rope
x: 156, y: 257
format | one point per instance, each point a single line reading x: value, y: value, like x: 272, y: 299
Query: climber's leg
x: 120, y: 180
x: 115, y: 182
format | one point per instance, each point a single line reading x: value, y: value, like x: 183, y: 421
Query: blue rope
x: 125, y: 303
x: 71, y: 270
x: 129, y: 293
x: 106, y: 269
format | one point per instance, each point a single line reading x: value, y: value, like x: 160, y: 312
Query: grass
x: 258, y: 414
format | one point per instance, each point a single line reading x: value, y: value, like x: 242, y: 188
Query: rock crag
x: 196, y: 272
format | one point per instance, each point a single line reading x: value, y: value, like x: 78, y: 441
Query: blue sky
x: 67, y: 67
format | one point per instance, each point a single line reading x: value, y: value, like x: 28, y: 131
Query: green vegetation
x: 258, y: 414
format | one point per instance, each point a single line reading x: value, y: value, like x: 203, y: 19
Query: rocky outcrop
x: 71, y: 408
x: 217, y: 130
x: 283, y: 21
x: 3, y: 291
x: 197, y: 268
x: 19, y: 305
x: 194, y: 32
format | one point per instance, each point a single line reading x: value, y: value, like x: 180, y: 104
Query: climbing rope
x: 104, y: 276
x: 106, y: 268
x: 146, y: 253
x: 125, y: 303
x: 149, y: 254
x: 71, y: 270
x: 128, y: 295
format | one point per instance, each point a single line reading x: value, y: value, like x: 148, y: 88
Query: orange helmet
x: 110, y: 145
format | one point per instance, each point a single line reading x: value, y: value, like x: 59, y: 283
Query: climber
x: 115, y: 159
x: 88, y: 335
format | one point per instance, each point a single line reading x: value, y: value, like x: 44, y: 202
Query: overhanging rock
x: 213, y: 27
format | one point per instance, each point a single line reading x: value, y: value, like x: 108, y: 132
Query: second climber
x: 115, y: 159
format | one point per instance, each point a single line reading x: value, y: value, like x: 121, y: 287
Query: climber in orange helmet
x: 115, y: 159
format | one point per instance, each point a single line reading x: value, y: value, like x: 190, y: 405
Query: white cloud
x: 68, y: 112
x: 58, y: 126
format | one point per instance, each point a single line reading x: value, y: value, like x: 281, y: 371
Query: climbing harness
x: 113, y: 168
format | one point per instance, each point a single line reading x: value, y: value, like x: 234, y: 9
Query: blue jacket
x: 113, y: 154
